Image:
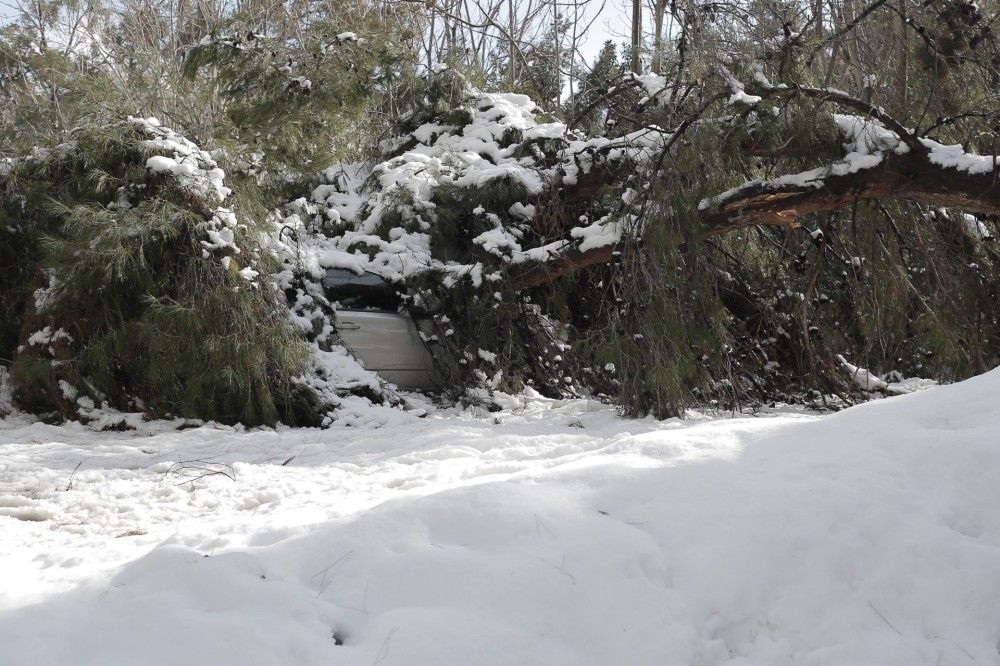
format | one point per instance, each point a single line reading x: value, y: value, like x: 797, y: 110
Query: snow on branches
x: 881, y: 160
x: 478, y: 177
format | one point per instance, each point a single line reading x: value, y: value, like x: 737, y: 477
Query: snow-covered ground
x: 551, y: 533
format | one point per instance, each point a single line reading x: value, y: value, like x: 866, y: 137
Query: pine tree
x: 593, y: 93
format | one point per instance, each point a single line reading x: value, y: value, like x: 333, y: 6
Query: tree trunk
x: 660, y: 8
x: 906, y: 177
x: 636, y: 36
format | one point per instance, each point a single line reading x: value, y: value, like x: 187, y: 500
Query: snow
x: 867, y: 136
x: 160, y: 164
x: 741, y: 97
x: 46, y: 335
x: 497, y: 241
x: 654, y: 85
x: 865, y: 379
x: 974, y: 227
x: 955, y: 157
x: 220, y: 230
x: 199, y: 173
x: 739, y: 94
x: 602, y: 233
x: 552, y: 532
x: 812, y: 178
x: 865, y: 143
x: 182, y: 158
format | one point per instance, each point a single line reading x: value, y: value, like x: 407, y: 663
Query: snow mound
x: 550, y: 533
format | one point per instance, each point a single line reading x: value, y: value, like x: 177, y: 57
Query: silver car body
x: 377, y: 334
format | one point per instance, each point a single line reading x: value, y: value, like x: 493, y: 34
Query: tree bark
x: 636, y: 44
x: 904, y: 177
x: 658, y: 11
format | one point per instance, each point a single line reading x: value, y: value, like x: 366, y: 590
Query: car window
x: 360, y: 292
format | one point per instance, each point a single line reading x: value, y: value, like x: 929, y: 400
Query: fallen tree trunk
x: 782, y: 202
x: 903, y: 177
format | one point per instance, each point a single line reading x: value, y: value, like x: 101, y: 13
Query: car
x: 378, y: 332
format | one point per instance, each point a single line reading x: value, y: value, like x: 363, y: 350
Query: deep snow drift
x: 550, y: 533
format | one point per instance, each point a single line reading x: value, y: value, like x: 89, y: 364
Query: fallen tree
x: 485, y: 212
x: 744, y: 245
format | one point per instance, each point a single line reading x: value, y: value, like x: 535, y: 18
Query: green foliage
x: 17, y: 272
x: 538, y: 67
x: 210, y: 350
x: 151, y: 319
x: 290, y: 100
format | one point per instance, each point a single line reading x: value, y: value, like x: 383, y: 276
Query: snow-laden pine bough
x: 880, y: 160
x: 140, y: 288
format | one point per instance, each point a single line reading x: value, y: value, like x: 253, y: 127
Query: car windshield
x: 360, y: 292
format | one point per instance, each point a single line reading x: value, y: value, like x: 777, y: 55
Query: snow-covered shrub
x: 142, y: 287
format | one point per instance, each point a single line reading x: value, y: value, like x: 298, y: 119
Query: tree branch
x: 901, y: 177
x: 843, y: 99
x: 905, y: 177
